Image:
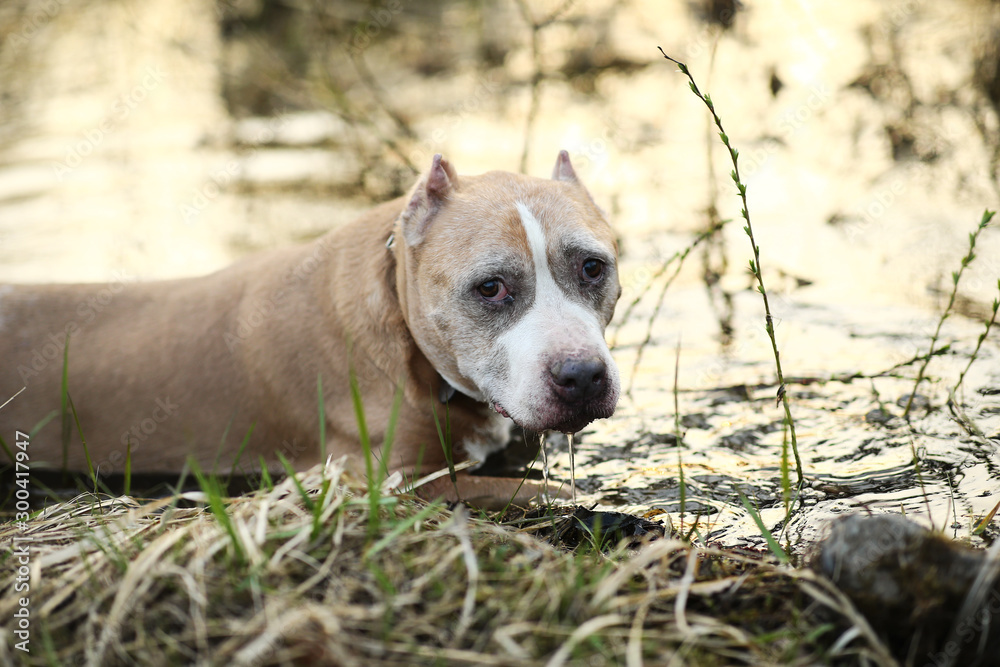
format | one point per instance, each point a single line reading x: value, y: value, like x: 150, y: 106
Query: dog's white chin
x: 557, y: 416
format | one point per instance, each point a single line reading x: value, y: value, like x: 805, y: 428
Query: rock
x: 935, y: 601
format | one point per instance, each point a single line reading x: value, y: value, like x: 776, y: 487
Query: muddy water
x: 866, y: 149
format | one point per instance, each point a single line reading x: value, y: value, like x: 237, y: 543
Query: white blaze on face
x: 556, y: 327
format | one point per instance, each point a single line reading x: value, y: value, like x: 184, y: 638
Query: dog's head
x: 507, y: 283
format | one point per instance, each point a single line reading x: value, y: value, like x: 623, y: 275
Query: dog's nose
x: 578, y: 380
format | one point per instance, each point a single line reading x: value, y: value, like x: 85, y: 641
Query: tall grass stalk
x: 920, y: 479
x: 444, y: 437
x: 572, y: 466
x: 83, y: 441
x: 772, y: 543
x: 682, y: 487
x: 307, y: 499
x: 376, y: 474
x: 210, y: 487
x: 755, y: 262
x: 322, y: 414
x: 366, y: 448
x: 127, y: 490
x: 981, y: 526
x: 680, y: 256
x: 239, y: 454
x: 524, y: 478
x: 7, y: 451
x: 545, y: 469
x: 979, y: 344
x: 956, y: 276
x: 786, y: 485
x: 265, y: 475
x: 64, y: 407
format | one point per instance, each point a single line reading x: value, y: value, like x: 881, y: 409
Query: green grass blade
x: 128, y: 468
x: 42, y: 423
x: 400, y: 528
x: 772, y: 543
x: 366, y: 448
x: 754, y: 265
x: 290, y: 471
x: 7, y: 450
x: 67, y: 426
x: 239, y: 453
x: 86, y: 452
x: 210, y: 487
x: 359, y: 417
x: 444, y: 437
x: 265, y: 475
x: 981, y: 526
x: 222, y: 445
x: 322, y: 418
x: 390, y: 433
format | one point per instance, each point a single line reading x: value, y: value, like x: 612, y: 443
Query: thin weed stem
x: 680, y: 256
x: 754, y: 263
x: 979, y: 344
x: 772, y: 543
x: 677, y: 433
x: 536, y: 26
x: 572, y: 465
x: 956, y: 276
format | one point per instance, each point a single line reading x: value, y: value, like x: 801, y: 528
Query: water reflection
x: 125, y: 147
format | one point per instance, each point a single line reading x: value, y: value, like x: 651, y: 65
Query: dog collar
x: 446, y: 391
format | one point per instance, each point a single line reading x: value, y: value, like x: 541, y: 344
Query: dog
x: 469, y: 305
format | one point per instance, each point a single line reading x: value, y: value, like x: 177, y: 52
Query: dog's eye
x: 493, y: 290
x: 592, y: 270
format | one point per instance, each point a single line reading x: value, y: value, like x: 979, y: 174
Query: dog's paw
x: 493, y: 493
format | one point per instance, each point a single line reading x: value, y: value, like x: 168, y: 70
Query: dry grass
x: 114, y: 581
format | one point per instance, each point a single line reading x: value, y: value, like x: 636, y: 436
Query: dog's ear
x: 563, y: 171
x: 426, y: 198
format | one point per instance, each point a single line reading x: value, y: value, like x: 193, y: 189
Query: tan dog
x: 483, y: 297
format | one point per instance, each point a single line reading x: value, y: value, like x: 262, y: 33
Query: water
x: 859, y: 226
x: 856, y: 457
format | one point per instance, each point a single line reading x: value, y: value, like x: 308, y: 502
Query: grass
x: 160, y: 583
x: 755, y: 267
x: 956, y: 277
x: 321, y: 569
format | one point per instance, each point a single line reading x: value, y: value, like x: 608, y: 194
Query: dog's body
x: 481, y: 297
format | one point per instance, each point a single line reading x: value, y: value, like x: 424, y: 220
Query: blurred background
x: 144, y: 139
